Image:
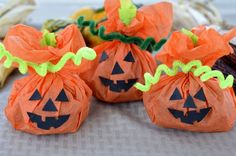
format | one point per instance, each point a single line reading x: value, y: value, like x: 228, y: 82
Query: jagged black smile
x: 49, y: 121
x: 191, y: 116
x: 119, y: 86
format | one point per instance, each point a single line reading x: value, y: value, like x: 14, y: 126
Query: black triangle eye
x: 62, y: 97
x: 200, y: 95
x: 36, y: 96
x: 104, y: 57
x: 189, y: 103
x: 176, y: 95
x: 117, y: 69
x: 129, y: 57
x: 49, y: 106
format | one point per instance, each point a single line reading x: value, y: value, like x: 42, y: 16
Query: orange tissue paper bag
x: 56, y: 103
x: 118, y: 65
x: 185, y: 102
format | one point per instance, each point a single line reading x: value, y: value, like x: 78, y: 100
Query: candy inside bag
x: 52, y: 99
x: 120, y: 62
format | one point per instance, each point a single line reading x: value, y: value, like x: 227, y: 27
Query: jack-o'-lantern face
x: 49, y: 106
x: 118, y: 85
x: 117, y: 68
x: 190, y: 115
x: 54, y: 104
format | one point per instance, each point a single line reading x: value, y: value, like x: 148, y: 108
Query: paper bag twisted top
x: 45, y: 52
x: 24, y: 42
x: 209, y: 47
x: 150, y: 21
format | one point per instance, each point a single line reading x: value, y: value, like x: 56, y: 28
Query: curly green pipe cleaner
x: 44, y: 68
x: 147, y: 44
x: 127, y: 11
x: 191, y: 35
x: 204, y: 72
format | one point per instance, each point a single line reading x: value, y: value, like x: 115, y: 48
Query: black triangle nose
x: 49, y: 106
x: 117, y: 69
x: 189, y: 103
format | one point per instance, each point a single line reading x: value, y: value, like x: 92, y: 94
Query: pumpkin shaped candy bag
x: 194, y: 98
x: 52, y: 99
x: 120, y: 62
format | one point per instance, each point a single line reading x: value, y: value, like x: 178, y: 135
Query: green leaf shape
x: 43, y: 68
x: 127, y: 11
x: 204, y: 72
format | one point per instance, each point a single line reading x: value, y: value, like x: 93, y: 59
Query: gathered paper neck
x: 204, y: 72
x: 149, y: 42
x: 43, y: 68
